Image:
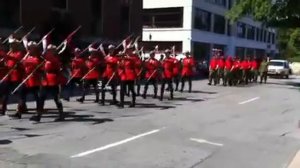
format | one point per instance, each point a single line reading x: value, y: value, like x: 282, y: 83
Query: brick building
x: 112, y: 19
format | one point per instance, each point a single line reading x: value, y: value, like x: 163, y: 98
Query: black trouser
x: 4, y: 93
x: 113, y: 84
x: 86, y: 86
x: 71, y: 86
x: 154, y: 83
x: 130, y: 85
x: 54, y: 91
x: 138, y: 85
x: 27, y: 91
x: 170, y: 85
x: 186, y: 78
x: 9, y: 87
x: 176, y: 81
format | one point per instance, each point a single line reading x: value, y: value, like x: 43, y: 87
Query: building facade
x: 200, y: 25
x: 111, y: 19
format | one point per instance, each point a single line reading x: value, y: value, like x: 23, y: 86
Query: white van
x: 279, y: 68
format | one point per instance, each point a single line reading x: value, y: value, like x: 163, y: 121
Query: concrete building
x: 111, y: 19
x: 200, y: 25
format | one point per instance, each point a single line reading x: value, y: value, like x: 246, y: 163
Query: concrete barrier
x: 295, y: 66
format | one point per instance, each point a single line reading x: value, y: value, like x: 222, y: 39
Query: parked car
x: 279, y: 68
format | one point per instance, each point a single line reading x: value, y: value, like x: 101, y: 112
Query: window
x: 163, y: 17
x: 201, y: 51
x: 257, y: 34
x: 218, y: 2
x: 250, y: 32
x: 59, y: 4
x: 273, y: 38
x: 241, y: 30
x: 219, y: 24
x: 228, y: 29
x: 265, y: 36
x: 202, y: 20
x: 240, y: 52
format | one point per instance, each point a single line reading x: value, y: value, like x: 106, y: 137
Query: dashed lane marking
x: 248, y: 101
x: 206, y: 142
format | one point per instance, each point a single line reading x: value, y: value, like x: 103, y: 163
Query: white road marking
x: 114, y: 144
x: 205, y: 142
x: 248, y: 101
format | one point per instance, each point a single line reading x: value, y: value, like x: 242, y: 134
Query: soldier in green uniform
x: 263, y: 70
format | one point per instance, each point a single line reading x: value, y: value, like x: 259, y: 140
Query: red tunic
x: 52, y: 67
x: 168, y: 66
x: 228, y: 64
x: 246, y: 65
x: 127, y: 69
x: 92, y: 65
x: 111, y: 66
x: 221, y: 63
x: 30, y: 64
x: 176, y: 69
x: 188, y: 66
x: 254, y: 65
x: 11, y: 60
x: 3, y: 68
x: 213, y: 64
x: 152, y: 66
x: 78, y: 67
x: 138, y: 64
x: 236, y: 65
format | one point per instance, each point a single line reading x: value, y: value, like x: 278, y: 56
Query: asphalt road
x: 214, y: 127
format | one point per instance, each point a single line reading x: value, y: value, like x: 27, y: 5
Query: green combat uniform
x: 263, y: 71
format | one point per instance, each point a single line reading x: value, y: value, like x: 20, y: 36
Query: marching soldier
x: 92, y: 76
x: 110, y: 75
x: 213, y: 70
x: 236, y: 71
x: 128, y: 75
x: 168, y: 70
x: 176, y: 72
x: 246, y: 67
x: 139, y: 70
x: 15, y: 75
x: 221, y: 65
x: 78, y: 70
x: 151, y: 65
x: 228, y: 71
x: 51, y: 83
x: 33, y: 83
x: 263, y: 70
x: 254, y: 69
x: 188, y: 65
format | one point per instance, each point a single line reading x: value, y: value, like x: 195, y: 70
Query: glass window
x: 201, y: 51
x: 218, y: 2
x: 219, y: 24
x: 241, y: 30
x: 265, y: 36
x: 257, y: 34
x: 228, y: 28
x: 273, y: 38
x: 163, y: 17
x: 202, y: 20
x: 250, y: 32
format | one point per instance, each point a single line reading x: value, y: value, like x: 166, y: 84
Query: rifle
x: 151, y: 75
x: 88, y: 73
x: 16, y: 31
x: 69, y: 36
x: 27, y: 78
x: 46, y: 36
x: 27, y: 34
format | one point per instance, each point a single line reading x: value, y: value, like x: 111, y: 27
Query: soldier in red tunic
x: 138, y: 70
x: 33, y: 83
x: 151, y: 65
x: 78, y: 69
x: 93, y: 74
x: 13, y: 60
x: 110, y: 75
x: 168, y: 67
x: 176, y: 72
x: 128, y: 75
x: 51, y: 83
x: 188, y: 65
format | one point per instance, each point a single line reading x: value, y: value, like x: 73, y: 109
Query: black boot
x: 61, y: 116
x: 81, y: 100
x: 17, y: 115
x: 36, y: 118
